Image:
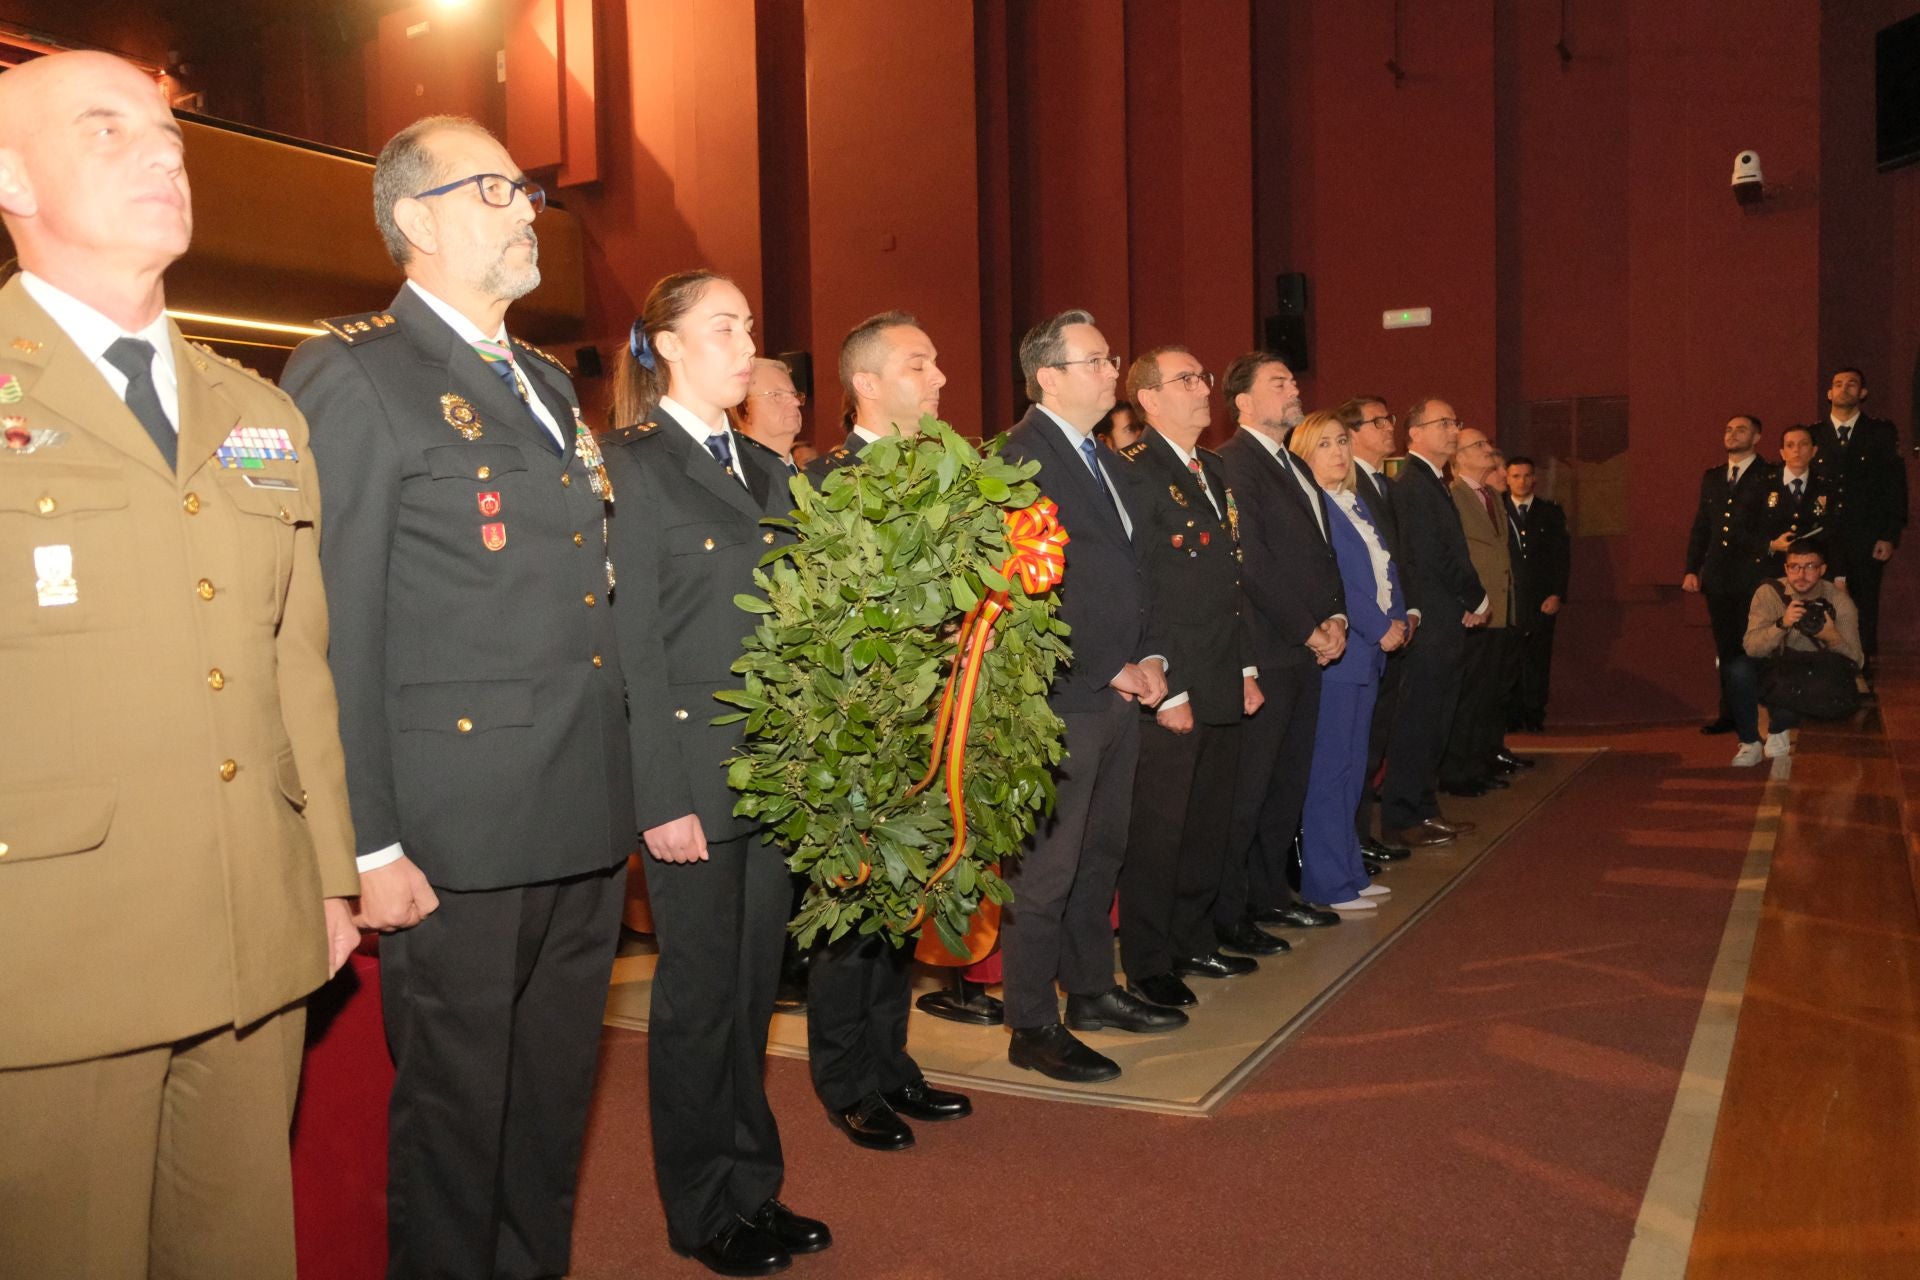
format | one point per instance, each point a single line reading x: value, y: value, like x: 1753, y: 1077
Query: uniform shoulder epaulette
x: 364, y: 327
x: 231, y: 363
x: 751, y: 443
x: 1200, y: 448
x: 1134, y: 450
x: 633, y: 431
x: 533, y: 350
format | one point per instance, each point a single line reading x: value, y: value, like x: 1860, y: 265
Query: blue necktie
x: 1091, y: 452
x: 721, y: 448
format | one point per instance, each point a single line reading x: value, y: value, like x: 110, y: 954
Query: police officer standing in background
x: 175, y: 852
x: 1859, y: 458
x: 1727, y: 548
x: 480, y: 705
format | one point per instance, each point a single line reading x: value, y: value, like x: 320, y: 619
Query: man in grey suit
x: 481, y: 708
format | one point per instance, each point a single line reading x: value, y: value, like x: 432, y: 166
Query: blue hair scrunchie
x: 639, y: 347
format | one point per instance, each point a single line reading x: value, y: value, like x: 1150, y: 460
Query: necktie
x: 1091, y: 452
x: 1486, y: 497
x: 1845, y: 433
x: 499, y: 358
x: 134, y: 357
x: 1796, y: 489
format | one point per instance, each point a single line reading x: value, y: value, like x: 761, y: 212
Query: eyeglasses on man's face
x: 496, y: 189
x: 799, y: 398
x: 1381, y: 420
x: 1094, y: 363
x: 1189, y: 381
x: 1443, y: 423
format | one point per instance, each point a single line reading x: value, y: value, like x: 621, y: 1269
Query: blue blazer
x: 1363, y: 661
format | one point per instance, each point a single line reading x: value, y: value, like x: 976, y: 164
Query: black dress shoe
x: 1495, y: 783
x: 1513, y: 763
x: 1424, y: 836
x: 1119, y: 1011
x: 1052, y: 1051
x: 1380, y: 851
x: 1248, y: 939
x: 1463, y: 790
x: 964, y: 1002
x: 1163, y: 989
x: 1373, y: 868
x: 790, y: 997
x: 1297, y: 915
x: 741, y: 1250
x: 795, y: 1233
x: 1713, y: 727
x: 921, y: 1101
x: 871, y: 1123
x: 1213, y: 965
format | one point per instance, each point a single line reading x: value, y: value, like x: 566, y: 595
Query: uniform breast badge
x: 494, y: 536
x: 1233, y: 516
x: 592, y: 459
x: 1773, y: 499
x: 19, y: 438
x: 1820, y: 504
x: 1178, y: 496
x: 53, y: 576
x: 460, y: 415
x: 489, y: 503
x: 251, y: 448
x: 10, y: 389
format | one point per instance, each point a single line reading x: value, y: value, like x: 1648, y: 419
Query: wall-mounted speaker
x: 1286, y: 330
x: 586, y: 362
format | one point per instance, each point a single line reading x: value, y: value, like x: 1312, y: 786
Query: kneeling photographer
x: 1803, y: 653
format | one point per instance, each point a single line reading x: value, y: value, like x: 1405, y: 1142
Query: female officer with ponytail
x: 683, y: 547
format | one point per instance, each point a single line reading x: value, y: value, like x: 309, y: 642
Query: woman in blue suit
x: 1331, y: 869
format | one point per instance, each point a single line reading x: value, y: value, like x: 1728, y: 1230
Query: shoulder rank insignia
x: 530, y: 349
x: 1134, y: 450
x: 632, y: 431
x: 361, y: 328
x: 460, y: 415
x: 1178, y: 496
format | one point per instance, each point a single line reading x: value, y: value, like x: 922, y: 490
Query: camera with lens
x: 1818, y: 611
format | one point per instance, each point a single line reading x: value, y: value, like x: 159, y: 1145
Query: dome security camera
x: 1748, y: 186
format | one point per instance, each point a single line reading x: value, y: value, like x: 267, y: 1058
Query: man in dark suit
x: 1440, y: 581
x: 860, y: 988
x: 1728, y: 562
x: 1859, y: 457
x: 1370, y: 429
x: 1542, y: 555
x: 481, y: 708
x: 1799, y: 504
x: 1296, y: 623
x: 1058, y: 929
x: 1187, y: 531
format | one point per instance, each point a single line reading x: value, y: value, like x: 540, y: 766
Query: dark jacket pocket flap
x: 46, y: 822
x: 466, y: 706
x: 457, y: 461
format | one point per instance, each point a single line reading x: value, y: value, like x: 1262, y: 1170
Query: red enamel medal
x: 489, y: 504
x: 494, y: 535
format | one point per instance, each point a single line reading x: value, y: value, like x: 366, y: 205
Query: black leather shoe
x: 1052, y: 1051
x: 1513, y: 763
x: 741, y: 1250
x: 1248, y: 939
x: 1213, y: 965
x: 795, y: 1233
x: 1463, y: 790
x: 1495, y: 783
x: 1713, y: 727
x: 966, y: 1002
x: 1297, y: 915
x: 1380, y: 851
x: 1163, y: 989
x: 1117, y: 1010
x: 921, y: 1101
x: 871, y: 1123
x: 1373, y: 868
x: 790, y: 997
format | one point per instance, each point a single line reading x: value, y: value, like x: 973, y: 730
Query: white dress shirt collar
x: 93, y: 333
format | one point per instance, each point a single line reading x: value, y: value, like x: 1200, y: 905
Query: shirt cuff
x: 1160, y: 658
x: 1341, y: 618
x: 1486, y: 602
x: 379, y: 858
x: 1177, y: 700
x: 1250, y: 673
x: 1413, y: 613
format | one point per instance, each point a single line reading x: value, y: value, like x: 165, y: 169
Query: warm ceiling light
x: 241, y: 322
x: 453, y: 4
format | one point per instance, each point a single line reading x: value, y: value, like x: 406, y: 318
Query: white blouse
x: 1349, y: 503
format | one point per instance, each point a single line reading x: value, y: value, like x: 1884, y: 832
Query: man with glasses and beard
x: 481, y: 707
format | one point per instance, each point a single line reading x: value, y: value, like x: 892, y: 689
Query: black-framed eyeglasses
x: 1111, y: 362
x: 799, y: 398
x: 1204, y: 378
x: 496, y: 189
x: 1439, y: 422
x: 1387, y: 418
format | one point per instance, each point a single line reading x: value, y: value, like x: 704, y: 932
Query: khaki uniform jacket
x: 1487, y: 547
x: 173, y: 807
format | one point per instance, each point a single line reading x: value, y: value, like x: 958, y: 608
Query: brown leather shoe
x: 1451, y: 826
x: 1423, y: 836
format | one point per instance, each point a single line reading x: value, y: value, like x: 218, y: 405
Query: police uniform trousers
x: 1059, y: 926
x: 859, y: 990
x: 493, y: 1007
x: 1864, y: 576
x: 168, y: 1162
x: 1532, y: 668
x: 1176, y: 845
x: 1331, y: 869
x: 721, y: 925
x: 1727, y: 616
x: 1379, y: 730
x: 1276, y: 749
x: 1429, y: 690
x: 1479, y: 715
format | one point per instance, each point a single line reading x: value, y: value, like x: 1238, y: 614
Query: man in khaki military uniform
x: 175, y: 850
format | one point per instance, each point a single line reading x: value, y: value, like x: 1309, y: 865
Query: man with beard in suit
x: 1859, y: 458
x: 1057, y: 929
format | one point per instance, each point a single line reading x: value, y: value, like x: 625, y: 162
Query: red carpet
x: 1484, y: 1101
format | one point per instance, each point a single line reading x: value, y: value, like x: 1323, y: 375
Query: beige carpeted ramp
x: 1239, y: 1022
